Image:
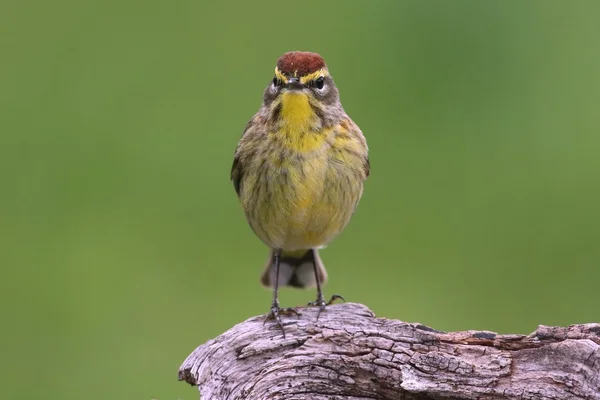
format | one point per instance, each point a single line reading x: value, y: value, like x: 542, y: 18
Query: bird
x: 299, y: 171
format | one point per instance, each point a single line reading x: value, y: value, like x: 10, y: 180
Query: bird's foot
x: 275, y: 313
x: 320, y: 302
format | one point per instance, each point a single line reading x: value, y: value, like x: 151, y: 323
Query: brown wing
x: 357, y: 134
x: 237, y: 169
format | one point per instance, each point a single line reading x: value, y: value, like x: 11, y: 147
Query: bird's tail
x: 295, y: 269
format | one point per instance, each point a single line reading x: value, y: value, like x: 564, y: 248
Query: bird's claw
x: 320, y: 302
x: 335, y: 297
x: 275, y: 313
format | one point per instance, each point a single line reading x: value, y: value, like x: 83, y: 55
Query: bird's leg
x: 275, y: 309
x: 320, y: 301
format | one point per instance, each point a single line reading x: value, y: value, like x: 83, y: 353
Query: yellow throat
x: 297, y: 114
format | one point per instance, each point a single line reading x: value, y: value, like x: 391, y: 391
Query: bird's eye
x: 320, y: 82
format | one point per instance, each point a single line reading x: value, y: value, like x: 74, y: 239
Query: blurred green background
x: 123, y: 244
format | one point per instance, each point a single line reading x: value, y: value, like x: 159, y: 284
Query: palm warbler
x: 299, y: 170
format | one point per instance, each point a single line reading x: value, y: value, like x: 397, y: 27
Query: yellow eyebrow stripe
x: 313, y: 76
x: 305, y: 79
x: 280, y: 76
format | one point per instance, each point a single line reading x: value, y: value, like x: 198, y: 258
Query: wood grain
x: 350, y: 354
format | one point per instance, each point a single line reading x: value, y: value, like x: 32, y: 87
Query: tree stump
x: 350, y: 354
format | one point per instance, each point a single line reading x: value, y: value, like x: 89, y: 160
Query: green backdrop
x: 123, y: 245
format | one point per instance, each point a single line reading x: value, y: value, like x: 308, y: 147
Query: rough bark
x: 350, y: 354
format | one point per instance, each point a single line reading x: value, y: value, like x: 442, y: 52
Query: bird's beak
x: 294, y: 84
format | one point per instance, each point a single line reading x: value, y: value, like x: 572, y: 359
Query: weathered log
x: 350, y: 354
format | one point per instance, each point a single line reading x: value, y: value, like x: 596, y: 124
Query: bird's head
x: 301, y: 87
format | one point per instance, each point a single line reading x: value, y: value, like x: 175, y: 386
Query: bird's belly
x: 303, y: 218
x: 309, y: 225
x: 304, y: 206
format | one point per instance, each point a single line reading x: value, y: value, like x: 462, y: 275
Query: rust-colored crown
x: 300, y: 63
